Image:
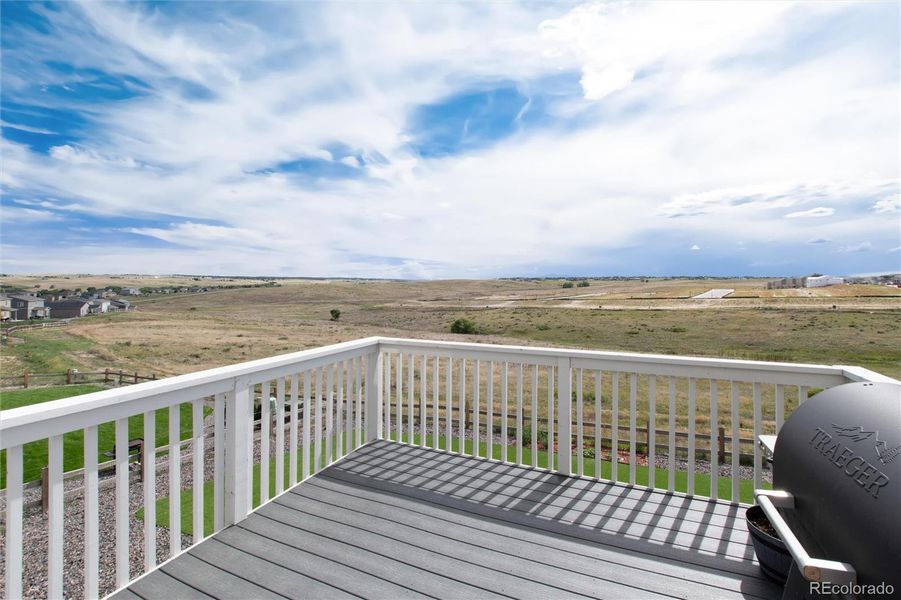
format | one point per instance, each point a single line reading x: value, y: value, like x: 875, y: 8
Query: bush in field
x: 336, y: 314
x: 584, y: 283
x: 568, y: 284
x: 527, y: 437
x: 464, y: 326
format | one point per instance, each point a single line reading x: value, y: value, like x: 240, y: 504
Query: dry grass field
x: 179, y: 333
x: 171, y: 334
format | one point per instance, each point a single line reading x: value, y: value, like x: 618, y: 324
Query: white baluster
x: 633, y: 414
x: 714, y: 441
x: 692, y: 399
x: 91, y: 518
x: 580, y: 409
x: 14, y: 502
x: 652, y: 431
x: 736, y: 445
x: 197, y: 464
x: 149, y: 466
x: 564, y: 416
x: 122, y: 514
x: 175, y: 479
x: 671, y: 459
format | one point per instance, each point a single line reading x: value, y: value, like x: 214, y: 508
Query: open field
x: 172, y: 334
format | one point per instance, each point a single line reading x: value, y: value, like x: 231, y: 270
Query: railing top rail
x: 527, y: 352
x: 22, y: 425
x: 38, y: 421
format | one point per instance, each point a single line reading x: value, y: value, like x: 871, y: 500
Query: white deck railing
x: 446, y: 395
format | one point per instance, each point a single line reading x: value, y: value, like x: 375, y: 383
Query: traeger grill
x: 836, y: 497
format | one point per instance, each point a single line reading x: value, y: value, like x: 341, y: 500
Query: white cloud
x: 695, y: 247
x: 19, y: 214
x: 819, y: 211
x: 82, y: 156
x: 198, y: 235
x: 611, y: 42
x: 28, y: 128
x: 861, y: 247
x: 668, y: 132
x: 888, y: 204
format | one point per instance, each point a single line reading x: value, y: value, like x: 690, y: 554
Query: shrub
x: 336, y: 314
x: 464, y: 326
x: 584, y: 283
x: 527, y: 437
x: 568, y: 284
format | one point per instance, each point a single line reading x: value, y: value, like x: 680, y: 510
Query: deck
x: 393, y: 521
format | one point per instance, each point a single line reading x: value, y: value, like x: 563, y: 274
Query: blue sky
x: 438, y: 140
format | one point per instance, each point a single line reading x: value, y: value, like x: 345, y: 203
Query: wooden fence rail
x: 49, y: 324
x: 74, y: 376
x: 646, y: 432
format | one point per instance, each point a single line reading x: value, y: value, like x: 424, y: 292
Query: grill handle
x: 813, y: 569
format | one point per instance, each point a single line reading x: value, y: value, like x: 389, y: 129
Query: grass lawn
x: 35, y: 454
x: 702, y: 483
x: 49, y: 350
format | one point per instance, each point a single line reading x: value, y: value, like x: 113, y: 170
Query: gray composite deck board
x: 397, y: 521
x: 583, y: 505
x: 563, y: 551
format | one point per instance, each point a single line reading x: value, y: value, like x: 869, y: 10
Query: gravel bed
x: 35, y: 522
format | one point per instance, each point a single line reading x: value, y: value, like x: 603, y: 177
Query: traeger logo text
x: 857, y: 468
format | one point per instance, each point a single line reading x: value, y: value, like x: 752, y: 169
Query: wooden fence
x: 74, y: 376
x: 6, y: 331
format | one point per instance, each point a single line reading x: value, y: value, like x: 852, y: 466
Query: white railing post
x: 564, y: 416
x: 237, y: 458
x: 374, y: 396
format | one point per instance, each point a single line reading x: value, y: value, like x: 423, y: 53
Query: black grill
x: 837, y: 491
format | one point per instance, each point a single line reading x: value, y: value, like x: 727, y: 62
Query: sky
x: 450, y: 140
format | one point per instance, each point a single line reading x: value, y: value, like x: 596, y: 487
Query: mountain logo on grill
x: 885, y: 454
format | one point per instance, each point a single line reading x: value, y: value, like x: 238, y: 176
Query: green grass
x: 18, y: 398
x: 49, y: 350
x: 702, y: 483
x: 35, y: 453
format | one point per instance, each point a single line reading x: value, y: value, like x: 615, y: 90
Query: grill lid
x: 839, y: 455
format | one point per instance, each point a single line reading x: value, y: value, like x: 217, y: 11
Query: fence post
x: 120, y: 376
x: 68, y: 376
x: 721, y: 451
x: 373, y: 396
x: 106, y: 375
x: 564, y: 416
x: 136, y: 376
x: 238, y: 423
x: 25, y: 378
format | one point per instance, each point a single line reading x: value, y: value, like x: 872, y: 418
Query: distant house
x: 119, y: 304
x: 25, y: 306
x: 98, y: 306
x: 6, y: 311
x: 823, y: 281
x: 131, y: 292
x: 68, y: 309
